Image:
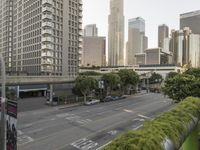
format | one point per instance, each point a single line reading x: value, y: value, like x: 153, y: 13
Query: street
x: 86, y: 127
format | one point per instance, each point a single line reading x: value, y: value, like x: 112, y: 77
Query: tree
x: 111, y: 80
x: 155, y: 78
x: 193, y: 71
x: 180, y: 87
x: 85, y: 85
x: 128, y: 78
x: 171, y: 75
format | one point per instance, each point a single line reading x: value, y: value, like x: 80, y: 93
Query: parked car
x: 92, y: 102
x: 108, y: 99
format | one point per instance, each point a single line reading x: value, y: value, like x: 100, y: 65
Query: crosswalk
x: 23, y: 139
x: 74, y: 118
x: 84, y: 144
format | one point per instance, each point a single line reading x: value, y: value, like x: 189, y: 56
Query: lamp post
x: 3, y: 106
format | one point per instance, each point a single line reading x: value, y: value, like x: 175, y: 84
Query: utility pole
x: 3, y: 106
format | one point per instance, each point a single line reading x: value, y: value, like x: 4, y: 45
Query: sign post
x: 3, y: 106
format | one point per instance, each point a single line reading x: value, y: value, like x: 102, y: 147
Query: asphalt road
x: 86, y: 127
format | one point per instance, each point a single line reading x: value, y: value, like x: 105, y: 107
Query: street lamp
x: 3, y: 106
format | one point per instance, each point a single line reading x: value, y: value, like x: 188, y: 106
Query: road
x: 86, y: 127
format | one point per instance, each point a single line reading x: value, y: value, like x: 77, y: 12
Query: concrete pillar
x: 17, y: 91
x: 192, y: 142
x: 51, y: 93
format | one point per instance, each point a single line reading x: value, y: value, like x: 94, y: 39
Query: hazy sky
x: 155, y: 12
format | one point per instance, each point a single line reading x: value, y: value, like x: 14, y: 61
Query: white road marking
x: 63, y: 115
x: 23, y: 139
x: 138, y: 119
x: 113, y: 132
x: 104, y: 145
x: 34, y: 131
x: 77, y: 119
x: 84, y: 144
x: 129, y: 111
x: 137, y: 127
x: 142, y: 116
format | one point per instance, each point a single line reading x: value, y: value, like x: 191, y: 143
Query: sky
x: 155, y: 12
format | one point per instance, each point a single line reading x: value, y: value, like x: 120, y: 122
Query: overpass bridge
x: 31, y: 80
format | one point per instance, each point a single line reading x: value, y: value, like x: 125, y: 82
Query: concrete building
x: 191, y: 20
x: 156, y: 56
x: 41, y: 37
x: 116, y: 33
x: 194, y: 50
x: 94, y: 51
x: 140, y: 59
x: 153, y: 56
x: 163, y: 32
x: 91, y: 30
x: 185, y: 47
x: 137, y: 41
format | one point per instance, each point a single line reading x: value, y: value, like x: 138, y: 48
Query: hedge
x: 171, y: 125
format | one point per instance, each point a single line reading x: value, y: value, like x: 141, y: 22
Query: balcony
x: 47, y: 46
x: 47, y: 2
x: 47, y: 61
x: 47, y: 24
x: 48, y: 9
x: 47, y: 54
x: 47, y: 39
x: 47, y: 31
x: 47, y: 16
x: 47, y: 68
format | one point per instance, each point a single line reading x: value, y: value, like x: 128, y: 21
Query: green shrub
x: 172, y: 124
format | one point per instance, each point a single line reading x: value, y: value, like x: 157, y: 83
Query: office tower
x: 194, y: 53
x: 185, y: 47
x: 163, y: 32
x: 191, y: 20
x: 91, y: 30
x: 116, y: 33
x: 94, y: 51
x: 46, y: 37
x: 137, y: 41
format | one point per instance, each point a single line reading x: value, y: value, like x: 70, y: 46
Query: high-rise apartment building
x: 137, y: 41
x: 185, y: 47
x: 44, y: 36
x: 116, y: 33
x: 191, y: 20
x: 91, y: 30
x: 163, y: 32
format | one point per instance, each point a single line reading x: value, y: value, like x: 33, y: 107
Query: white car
x: 92, y: 102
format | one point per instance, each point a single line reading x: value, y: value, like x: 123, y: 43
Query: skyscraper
x: 186, y: 47
x: 191, y: 20
x: 116, y: 33
x: 163, y: 32
x: 137, y: 41
x: 91, y: 30
x: 44, y: 36
x: 94, y: 48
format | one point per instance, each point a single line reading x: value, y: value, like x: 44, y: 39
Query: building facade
x: 94, y: 51
x: 46, y: 37
x: 91, y: 30
x: 137, y: 41
x: 116, y: 33
x: 163, y: 32
x: 191, y: 20
x: 185, y: 47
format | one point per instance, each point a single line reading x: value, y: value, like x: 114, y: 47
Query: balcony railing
x: 47, y: 39
x: 48, y: 24
x: 47, y: 31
